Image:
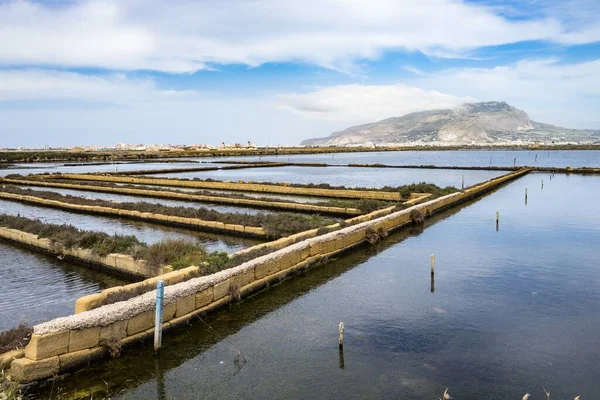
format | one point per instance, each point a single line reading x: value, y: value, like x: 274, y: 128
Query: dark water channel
x: 512, y: 310
x: 37, y: 287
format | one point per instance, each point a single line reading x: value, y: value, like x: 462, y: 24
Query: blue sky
x: 277, y: 71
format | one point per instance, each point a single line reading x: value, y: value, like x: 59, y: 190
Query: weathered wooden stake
x: 341, y: 343
x: 463, y: 182
x: 515, y: 162
x: 160, y: 293
x: 432, y: 264
x: 432, y: 283
x: 542, y: 183
x: 497, y: 219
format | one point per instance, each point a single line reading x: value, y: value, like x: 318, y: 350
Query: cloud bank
x: 181, y: 36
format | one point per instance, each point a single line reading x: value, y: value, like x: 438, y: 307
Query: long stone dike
x: 193, y: 223
x: 242, y: 187
x: 71, y: 343
x: 121, y: 264
x: 277, y: 205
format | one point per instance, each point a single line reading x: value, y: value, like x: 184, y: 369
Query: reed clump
x: 16, y: 338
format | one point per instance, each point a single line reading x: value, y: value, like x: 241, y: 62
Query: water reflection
x: 346, y: 176
x: 513, y: 310
x: 145, y: 232
x: 37, y: 288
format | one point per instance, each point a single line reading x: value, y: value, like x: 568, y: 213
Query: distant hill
x: 472, y: 123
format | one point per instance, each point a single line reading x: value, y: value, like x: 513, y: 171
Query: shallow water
x: 145, y: 232
x: 40, y: 168
x: 461, y: 158
x: 153, y: 200
x: 37, y: 288
x: 513, y: 310
x: 346, y: 176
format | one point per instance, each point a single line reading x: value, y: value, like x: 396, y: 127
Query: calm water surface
x: 145, y: 232
x: 37, y: 288
x: 137, y: 199
x: 346, y: 176
x: 510, y: 311
x: 462, y: 158
x: 40, y: 168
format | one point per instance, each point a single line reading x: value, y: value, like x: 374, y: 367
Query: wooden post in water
x: 525, y: 195
x: 542, y: 184
x: 497, y: 220
x: 160, y: 293
x: 341, y: 342
x: 432, y: 264
x: 463, y: 182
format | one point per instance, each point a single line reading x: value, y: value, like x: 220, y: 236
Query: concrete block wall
x: 70, y: 342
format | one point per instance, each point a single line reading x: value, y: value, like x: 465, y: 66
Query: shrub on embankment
x: 178, y: 253
x: 421, y: 187
x: 16, y: 338
x: 276, y: 225
x: 364, y: 205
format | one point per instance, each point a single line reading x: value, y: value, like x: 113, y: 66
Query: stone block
x: 70, y: 361
x: 84, y: 338
x: 7, y: 358
x: 169, y: 311
x: 116, y: 330
x: 247, y: 276
x: 186, y: 305
x: 89, y: 302
x: 48, y: 345
x: 204, y: 297
x: 26, y: 370
x: 140, y: 322
x: 265, y: 269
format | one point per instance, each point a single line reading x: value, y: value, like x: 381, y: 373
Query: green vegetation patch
x: 276, y: 225
x: 176, y: 252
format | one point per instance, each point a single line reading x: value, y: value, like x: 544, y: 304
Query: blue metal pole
x: 160, y: 292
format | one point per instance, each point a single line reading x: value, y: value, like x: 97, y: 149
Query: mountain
x: 472, y: 123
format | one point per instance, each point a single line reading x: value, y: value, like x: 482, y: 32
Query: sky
x: 275, y: 72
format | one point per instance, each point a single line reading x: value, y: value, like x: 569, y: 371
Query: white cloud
x: 184, y: 35
x: 64, y: 108
x: 366, y: 103
x: 549, y: 90
x: 59, y: 85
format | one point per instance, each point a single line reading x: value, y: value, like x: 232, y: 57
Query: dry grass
x: 16, y: 338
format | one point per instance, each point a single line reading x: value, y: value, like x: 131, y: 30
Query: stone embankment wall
x: 194, y: 223
x: 71, y: 342
x: 96, y: 300
x: 295, y: 207
x: 243, y: 186
x: 118, y: 263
